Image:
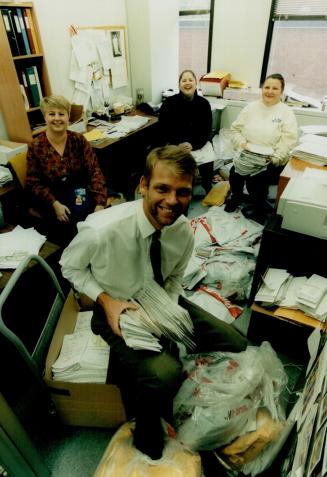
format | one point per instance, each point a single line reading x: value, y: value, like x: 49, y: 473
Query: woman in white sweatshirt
x: 264, y: 133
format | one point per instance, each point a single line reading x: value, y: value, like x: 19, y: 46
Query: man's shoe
x: 149, y: 438
x: 231, y: 205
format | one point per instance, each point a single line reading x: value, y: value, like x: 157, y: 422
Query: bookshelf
x: 23, y: 72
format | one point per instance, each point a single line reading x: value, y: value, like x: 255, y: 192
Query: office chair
x: 30, y: 306
x: 26, y: 214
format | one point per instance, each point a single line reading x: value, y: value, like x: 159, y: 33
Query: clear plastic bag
x: 219, y: 399
x: 222, y: 145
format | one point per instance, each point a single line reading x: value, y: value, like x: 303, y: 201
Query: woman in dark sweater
x: 185, y: 118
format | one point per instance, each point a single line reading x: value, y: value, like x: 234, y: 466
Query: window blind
x: 298, y: 8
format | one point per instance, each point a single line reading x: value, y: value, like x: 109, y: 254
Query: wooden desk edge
x: 300, y: 320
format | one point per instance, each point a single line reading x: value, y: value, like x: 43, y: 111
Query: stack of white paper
x: 84, y: 356
x: 157, y: 315
x: 135, y: 333
x: 250, y: 162
x: 300, y: 293
x: 312, y: 297
x: 18, y: 244
x: 273, y: 286
x: 319, y: 129
x: 290, y: 298
x: 310, y: 151
x: 312, y: 291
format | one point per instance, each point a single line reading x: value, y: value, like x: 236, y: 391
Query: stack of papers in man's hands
x: 84, y: 356
x: 18, y: 244
x: 273, y: 286
x: 159, y: 315
x: 135, y: 333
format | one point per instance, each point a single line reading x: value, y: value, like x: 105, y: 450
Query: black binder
x: 18, y: 31
x: 7, y: 20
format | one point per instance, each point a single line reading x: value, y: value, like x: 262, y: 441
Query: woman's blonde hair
x: 54, y: 101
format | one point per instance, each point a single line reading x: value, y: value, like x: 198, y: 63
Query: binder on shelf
x: 38, y: 84
x: 23, y: 29
x: 18, y: 31
x: 7, y: 20
x: 28, y: 31
x: 25, y: 98
x: 31, y: 81
x: 33, y: 31
x: 23, y: 81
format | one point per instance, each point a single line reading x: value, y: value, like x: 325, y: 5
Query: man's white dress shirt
x: 110, y: 253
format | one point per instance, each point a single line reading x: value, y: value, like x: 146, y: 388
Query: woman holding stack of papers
x: 264, y: 133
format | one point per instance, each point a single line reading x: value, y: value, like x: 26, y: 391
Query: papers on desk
x: 84, y: 356
x: 18, y: 244
x: 311, y: 151
x: 95, y: 136
x: 306, y: 294
x: 157, y: 315
x: 129, y: 124
x: 272, y: 288
x: 318, y: 129
x: 126, y: 125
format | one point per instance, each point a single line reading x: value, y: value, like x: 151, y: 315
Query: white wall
x: 54, y: 19
x: 164, y: 46
x: 239, y: 36
x: 153, y: 45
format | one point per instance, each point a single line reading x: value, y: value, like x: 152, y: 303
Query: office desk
x: 294, y: 168
x: 122, y: 159
x: 109, y: 141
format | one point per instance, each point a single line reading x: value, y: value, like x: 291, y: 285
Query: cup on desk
x: 118, y: 108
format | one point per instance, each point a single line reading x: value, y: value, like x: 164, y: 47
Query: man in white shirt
x: 109, y: 260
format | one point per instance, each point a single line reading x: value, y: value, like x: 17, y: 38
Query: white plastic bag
x: 220, y: 397
x: 222, y: 144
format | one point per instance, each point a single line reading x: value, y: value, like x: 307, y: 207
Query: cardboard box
x: 81, y: 404
x: 9, y: 149
x: 214, y: 83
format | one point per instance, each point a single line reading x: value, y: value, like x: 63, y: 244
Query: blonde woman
x: 64, y: 180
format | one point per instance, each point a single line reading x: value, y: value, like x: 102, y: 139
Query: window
x: 296, y: 46
x: 195, y: 26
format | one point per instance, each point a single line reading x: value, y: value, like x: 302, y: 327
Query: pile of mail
x: 157, y: 315
x: 84, y: 356
x: 253, y: 160
x: 307, y: 294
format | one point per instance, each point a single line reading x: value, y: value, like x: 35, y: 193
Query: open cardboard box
x: 81, y: 404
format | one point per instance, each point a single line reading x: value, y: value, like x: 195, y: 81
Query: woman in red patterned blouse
x: 64, y: 180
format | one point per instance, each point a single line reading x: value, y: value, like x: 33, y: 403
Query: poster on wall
x: 98, y: 64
